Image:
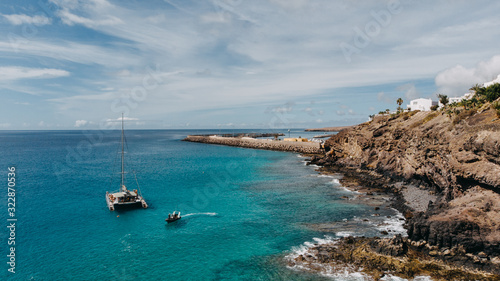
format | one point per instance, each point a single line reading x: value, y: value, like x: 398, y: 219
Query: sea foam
x: 394, y: 224
x: 201, y: 214
x: 332, y: 270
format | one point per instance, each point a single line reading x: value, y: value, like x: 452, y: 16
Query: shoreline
x: 376, y: 258
x: 398, y: 255
x: 463, y: 264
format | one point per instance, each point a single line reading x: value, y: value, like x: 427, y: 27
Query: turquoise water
x: 243, y: 209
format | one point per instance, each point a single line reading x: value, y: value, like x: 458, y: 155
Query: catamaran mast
x: 122, y: 187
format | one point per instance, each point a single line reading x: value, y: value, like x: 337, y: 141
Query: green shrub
x: 407, y: 114
x: 489, y: 93
x: 430, y: 117
x: 434, y: 107
x: 463, y: 115
x: 493, y: 92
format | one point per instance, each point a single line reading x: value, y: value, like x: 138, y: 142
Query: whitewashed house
x: 466, y: 96
x: 487, y: 84
x: 421, y: 104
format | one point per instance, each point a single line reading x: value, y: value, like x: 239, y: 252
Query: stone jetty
x: 268, y: 144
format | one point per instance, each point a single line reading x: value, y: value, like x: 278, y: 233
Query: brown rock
x: 458, y: 163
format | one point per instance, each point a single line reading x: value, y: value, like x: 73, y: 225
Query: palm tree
x: 443, y: 99
x: 475, y: 88
x: 479, y: 91
x: 465, y: 103
x: 473, y: 101
x: 399, y: 102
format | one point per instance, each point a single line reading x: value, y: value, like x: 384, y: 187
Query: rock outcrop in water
x: 452, y: 158
x: 376, y: 257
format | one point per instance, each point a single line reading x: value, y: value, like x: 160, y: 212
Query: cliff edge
x: 452, y: 156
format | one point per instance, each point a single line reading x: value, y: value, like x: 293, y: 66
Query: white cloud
x: 81, y: 123
x: 70, y: 51
x: 457, y: 80
x: 5, y: 125
x: 290, y: 4
x: 286, y: 108
x: 381, y: 96
x: 410, y: 91
x: 15, y: 72
x: 290, y: 59
x: 19, y: 19
x: 124, y: 72
x: 277, y: 62
x: 116, y: 123
x: 119, y: 119
x: 71, y: 19
x: 216, y: 18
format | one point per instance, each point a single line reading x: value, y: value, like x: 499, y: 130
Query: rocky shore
x: 299, y: 147
x: 376, y: 258
x: 444, y: 170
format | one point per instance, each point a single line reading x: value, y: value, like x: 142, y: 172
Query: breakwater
x: 300, y: 147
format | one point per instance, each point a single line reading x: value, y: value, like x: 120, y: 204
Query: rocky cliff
x: 454, y: 157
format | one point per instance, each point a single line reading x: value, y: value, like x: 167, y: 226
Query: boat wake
x: 200, y: 214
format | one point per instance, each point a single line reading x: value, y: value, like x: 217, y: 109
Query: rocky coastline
x: 444, y: 172
x: 376, y: 258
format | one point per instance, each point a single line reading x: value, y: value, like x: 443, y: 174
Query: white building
x: 466, y: 96
x: 421, y: 104
x: 487, y: 84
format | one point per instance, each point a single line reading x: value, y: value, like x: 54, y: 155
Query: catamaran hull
x: 124, y: 205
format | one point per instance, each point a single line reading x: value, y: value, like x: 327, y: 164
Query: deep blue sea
x: 244, y: 210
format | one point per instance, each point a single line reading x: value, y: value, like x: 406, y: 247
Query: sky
x: 185, y: 64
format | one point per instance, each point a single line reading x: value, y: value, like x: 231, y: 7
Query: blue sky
x: 70, y: 64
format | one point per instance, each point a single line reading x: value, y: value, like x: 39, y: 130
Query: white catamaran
x: 124, y: 197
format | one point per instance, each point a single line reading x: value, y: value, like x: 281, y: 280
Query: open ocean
x: 243, y: 210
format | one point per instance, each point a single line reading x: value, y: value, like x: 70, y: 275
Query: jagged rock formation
x: 379, y: 256
x: 455, y: 158
x: 425, y: 147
